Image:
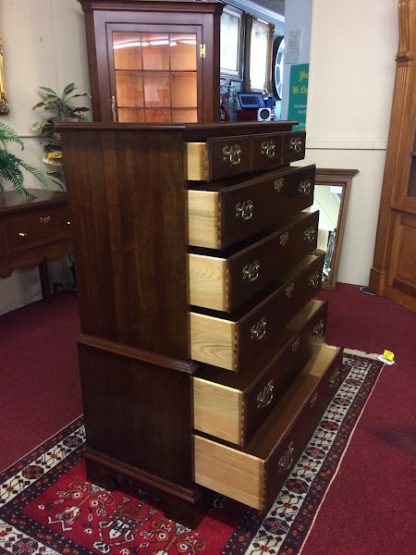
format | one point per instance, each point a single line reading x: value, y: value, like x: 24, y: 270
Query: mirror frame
x: 339, y: 178
x: 4, y: 104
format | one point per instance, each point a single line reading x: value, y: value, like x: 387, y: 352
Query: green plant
x: 11, y: 166
x: 58, y: 108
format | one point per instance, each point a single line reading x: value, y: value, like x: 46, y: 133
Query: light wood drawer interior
x: 227, y: 404
x: 246, y: 475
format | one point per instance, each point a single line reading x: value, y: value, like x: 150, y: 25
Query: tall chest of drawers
x: 201, y: 353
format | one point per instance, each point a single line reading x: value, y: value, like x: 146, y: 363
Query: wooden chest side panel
x: 127, y: 197
x: 138, y: 413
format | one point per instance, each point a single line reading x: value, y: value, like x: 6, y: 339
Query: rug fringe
x: 356, y: 352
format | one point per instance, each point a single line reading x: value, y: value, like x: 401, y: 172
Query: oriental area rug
x: 48, y: 507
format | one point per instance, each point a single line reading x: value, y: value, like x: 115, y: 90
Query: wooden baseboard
x: 377, y: 282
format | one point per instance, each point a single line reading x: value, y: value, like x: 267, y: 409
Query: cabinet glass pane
x: 183, y: 90
x: 129, y: 88
x: 157, y: 90
x: 182, y: 51
x: 127, y: 50
x: 162, y: 116
x: 130, y: 115
x: 181, y: 115
x: 155, y: 51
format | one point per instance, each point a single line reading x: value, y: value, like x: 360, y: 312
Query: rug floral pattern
x: 48, y: 507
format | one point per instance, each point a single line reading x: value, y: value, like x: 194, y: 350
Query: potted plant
x: 58, y: 108
x: 12, y: 167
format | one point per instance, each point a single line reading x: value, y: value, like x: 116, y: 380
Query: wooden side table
x: 33, y: 232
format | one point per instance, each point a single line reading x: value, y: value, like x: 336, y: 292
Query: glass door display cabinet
x: 153, y: 61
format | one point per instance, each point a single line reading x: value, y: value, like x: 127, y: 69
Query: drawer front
x: 285, y: 456
x: 38, y: 228
x: 293, y: 146
x: 219, y: 219
x: 250, y: 341
x: 232, y: 406
x: 258, y: 329
x: 226, y: 283
x: 228, y: 157
x: 250, y: 208
x: 266, y: 151
x: 256, y: 474
x: 259, y: 265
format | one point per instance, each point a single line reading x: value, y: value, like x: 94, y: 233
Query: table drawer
x: 225, y: 283
x: 255, y: 476
x: 226, y: 215
x: 40, y: 227
x: 248, y: 338
x: 232, y: 406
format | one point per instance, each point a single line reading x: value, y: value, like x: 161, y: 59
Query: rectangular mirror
x: 332, y: 189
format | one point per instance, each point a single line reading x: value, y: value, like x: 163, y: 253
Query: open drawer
x: 255, y: 476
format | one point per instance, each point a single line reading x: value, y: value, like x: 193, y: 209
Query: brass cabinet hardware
x: 268, y: 149
x: 286, y: 460
x: 309, y: 234
x: 284, y: 239
x: 68, y: 223
x: 266, y: 395
x: 335, y: 378
x: 113, y: 104
x: 305, y: 187
x: 314, y: 279
x: 258, y: 330
x: 44, y: 219
x: 313, y: 399
x: 295, y: 344
x: 202, y: 50
x: 295, y: 144
x: 22, y: 234
x: 251, y: 271
x: 279, y: 183
x: 290, y: 289
x: 318, y: 328
x: 232, y: 154
x: 244, y: 210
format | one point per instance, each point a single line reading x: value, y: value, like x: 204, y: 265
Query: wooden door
x: 394, y: 270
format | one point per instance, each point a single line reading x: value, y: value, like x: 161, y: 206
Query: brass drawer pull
x: 268, y: 149
x: 295, y: 344
x: 44, y: 219
x: 22, y: 234
x: 286, y: 460
x: 68, y: 223
x: 284, y: 239
x: 251, y: 271
x: 335, y: 378
x: 232, y: 154
x: 318, y: 329
x: 314, y: 279
x: 258, y: 331
x: 309, y: 234
x: 295, y: 144
x: 305, y: 187
x: 290, y: 289
x: 312, y: 401
x: 244, y: 210
x: 265, y: 397
x: 279, y: 183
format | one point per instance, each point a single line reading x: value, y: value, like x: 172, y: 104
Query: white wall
x: 44, y: 44
x: 298, y: 19
x: 352, y: 69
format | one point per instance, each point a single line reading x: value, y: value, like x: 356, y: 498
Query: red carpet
x: 370, y: 506
x: 47, y: 504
